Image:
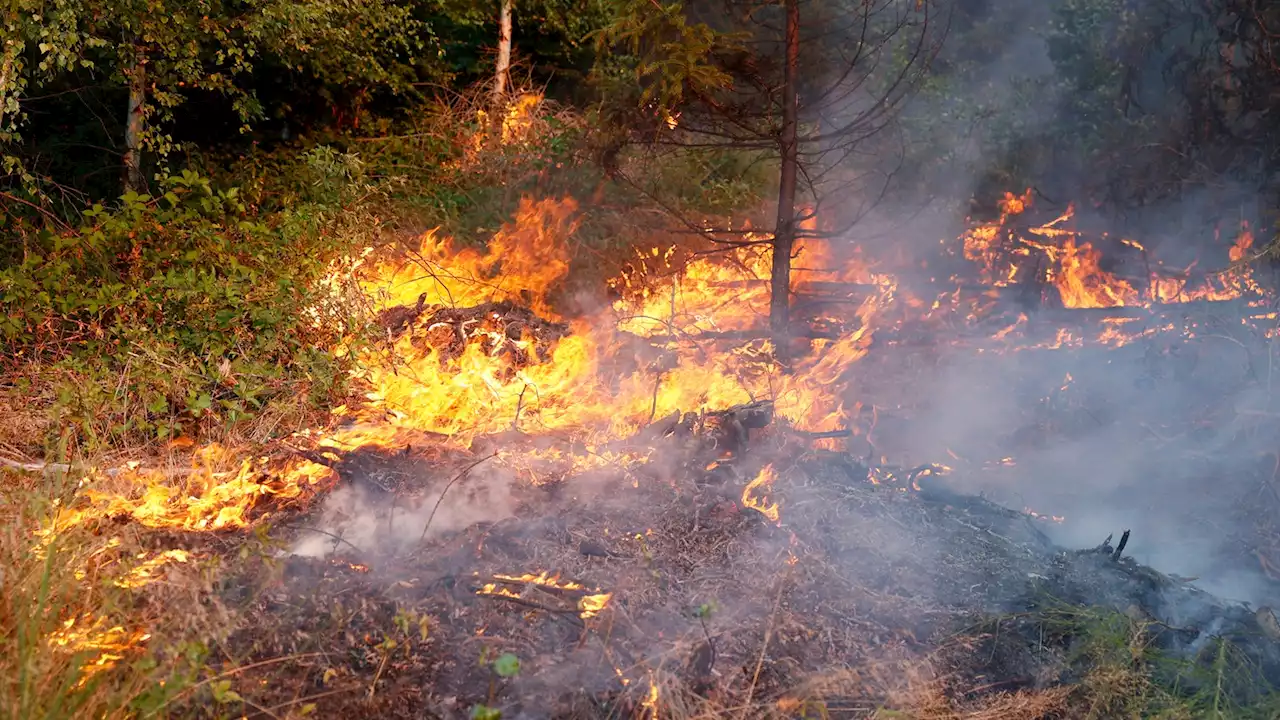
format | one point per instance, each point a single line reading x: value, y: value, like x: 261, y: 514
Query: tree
x: 816, y: 84
x: 503, y: 66
x: 160, y: 50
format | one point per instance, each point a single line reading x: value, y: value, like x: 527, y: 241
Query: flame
x: 591, y: 605
x: 1003, y: 251
x: 545, y: 579
x: 557, y: 383
x: 588, y: 605
x: 146, y: 572
x: 204, y: 499
x: 93, y: 636
x: 762, y: 483
x: 650, y: 702
x: 518, y: 120
x: 516, y: 126
x: 1081, y: 281
x: 489, y: 369
x: 522, y: 262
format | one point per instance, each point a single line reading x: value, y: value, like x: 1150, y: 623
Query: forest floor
x: 421, y: 577
x: 468, y: 553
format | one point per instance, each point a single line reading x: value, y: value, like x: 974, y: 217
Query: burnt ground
x: 865, y: 595
x: 880, y: 587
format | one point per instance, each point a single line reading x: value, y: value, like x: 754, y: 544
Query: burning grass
x: 667, y: 598
x: 79, y: 633
x: 641, y: 503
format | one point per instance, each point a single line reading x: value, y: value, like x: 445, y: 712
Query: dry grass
x: 75, y: 640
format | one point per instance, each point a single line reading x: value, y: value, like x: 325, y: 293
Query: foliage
x: 657, y: 48
x: 168, y: 313
x: 507, y: 665
x: 184, y: 50
x: 1124, y: 672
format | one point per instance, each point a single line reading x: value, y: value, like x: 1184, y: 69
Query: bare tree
x: 816, y: 84
x: 788, y: 149
x: 137, y: 73
x: 503, y: 67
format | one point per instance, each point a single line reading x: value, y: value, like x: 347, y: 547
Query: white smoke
x: 376, y: 522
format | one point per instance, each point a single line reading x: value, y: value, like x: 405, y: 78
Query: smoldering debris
x: 705, y: 601
x: 378, y: 522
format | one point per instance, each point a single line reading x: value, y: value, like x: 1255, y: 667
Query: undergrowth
x: 74, y: 640
x: 178, y: 313
x: 210, y: 310
x: 1119, y: 665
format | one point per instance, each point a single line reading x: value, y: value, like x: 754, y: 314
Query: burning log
x: 547, y: 592
x: 733, y: 426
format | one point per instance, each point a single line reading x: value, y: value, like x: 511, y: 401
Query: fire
x: 93, y: 637
x: 591, y: 605
x: 205, y: 499
x: 558, y: 384
x: 1081, y: 281
x: 546, y: 590
x: 516, y: 126
x: 544, y: 578
x: 752, y: 497
x: 519, y: 118
x: 650, y: 702
x: 522, y: 262
x: 482, y: 350
x: 1074, y: 267
x: 145, y: 573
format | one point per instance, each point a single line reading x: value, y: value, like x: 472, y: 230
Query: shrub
x: 167, y: 313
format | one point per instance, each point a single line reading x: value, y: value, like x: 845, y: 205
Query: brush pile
x: 502, y: 329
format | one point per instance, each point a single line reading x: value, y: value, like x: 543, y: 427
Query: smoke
x: 1147, y: 437
x: 379, y: 523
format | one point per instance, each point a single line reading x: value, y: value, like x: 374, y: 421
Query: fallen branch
x: 821, y: 435
x: 49, y: 468
x: 573, y: 613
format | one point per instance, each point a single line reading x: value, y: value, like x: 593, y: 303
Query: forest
x: 639, y: 358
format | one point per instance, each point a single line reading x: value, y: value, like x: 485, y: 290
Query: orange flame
x: 204, y: 500
x: 752, y: 499
x: 104, y: 644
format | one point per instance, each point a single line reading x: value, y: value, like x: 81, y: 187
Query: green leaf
x: 507, y: 665
x: 223, y: 694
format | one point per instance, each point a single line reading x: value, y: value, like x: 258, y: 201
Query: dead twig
x: 534, y: 604
x: 448, y: 485
x: 768, y: 635
x: 515, y: 421
x: 338, y: 538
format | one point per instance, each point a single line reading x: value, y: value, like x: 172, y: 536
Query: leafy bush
x: 166, y: 313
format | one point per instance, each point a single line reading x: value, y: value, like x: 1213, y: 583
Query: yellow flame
x: 103, y: 643
x: 752, y: 495
x: 591, y: 605
x: 145, y: 573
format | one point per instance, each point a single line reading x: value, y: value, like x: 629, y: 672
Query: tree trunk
x: 133, y: 126
x: 504, y: 52
x: 7, y: 54
x: 785, y: 227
